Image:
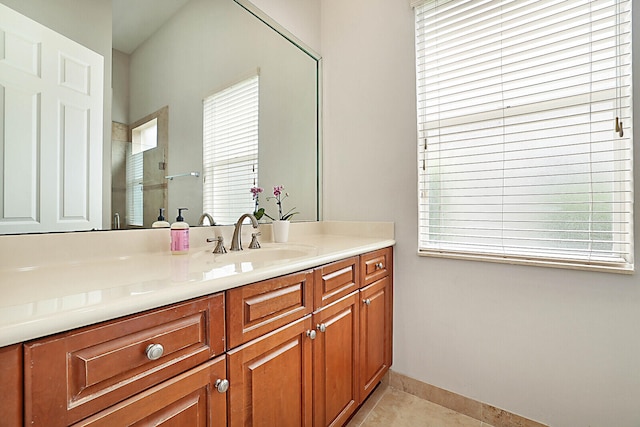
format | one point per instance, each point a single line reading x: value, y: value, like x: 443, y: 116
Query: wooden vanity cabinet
x: 376, y: 319
x: 318, y: 369
x: 11, y: 385
x: 304, y: 349
x: 71, y: 376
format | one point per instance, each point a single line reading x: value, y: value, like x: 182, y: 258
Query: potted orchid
x: 258, y: 212
x: 281, y: 224
x: 279, y: 195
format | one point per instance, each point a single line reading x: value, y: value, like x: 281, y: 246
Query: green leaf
x: 259, y: 213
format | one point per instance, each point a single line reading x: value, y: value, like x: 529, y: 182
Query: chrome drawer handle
x: 311, y: 334
x: 154, y: 351
x: 367, y: 301
x: 321, y: 327
x: 222, y: 385
x: 379, y: 266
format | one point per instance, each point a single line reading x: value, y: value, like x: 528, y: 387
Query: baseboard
x: 472, y: 408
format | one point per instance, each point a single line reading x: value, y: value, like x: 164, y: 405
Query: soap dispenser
x: 180, y: 234
x: 160, y: 223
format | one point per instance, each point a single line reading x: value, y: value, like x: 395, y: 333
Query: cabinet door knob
x: 154, y: 351
x: 379, y: 266
x: 366, y: 301
x: 321, y: 327
x: 311, y: 334
x: 222, y: 385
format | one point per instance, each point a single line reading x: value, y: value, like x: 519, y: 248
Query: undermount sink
x: 264, y: 254
x: 268, y: 253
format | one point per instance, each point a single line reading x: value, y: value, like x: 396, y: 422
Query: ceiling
x: 134, y: 21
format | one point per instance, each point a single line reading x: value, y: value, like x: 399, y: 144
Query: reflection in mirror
x: 202, y: 49
x: 138, y: 184
x: 51, y: 118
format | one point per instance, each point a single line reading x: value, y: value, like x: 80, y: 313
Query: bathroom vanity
x: 296, y: 334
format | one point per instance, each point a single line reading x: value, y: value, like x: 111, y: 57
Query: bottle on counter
x: 161, y: 223
x: 180, y: 234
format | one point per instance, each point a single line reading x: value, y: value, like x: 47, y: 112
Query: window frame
x: 508, y: 256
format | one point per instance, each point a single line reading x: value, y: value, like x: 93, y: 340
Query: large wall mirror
x: 169, y: 82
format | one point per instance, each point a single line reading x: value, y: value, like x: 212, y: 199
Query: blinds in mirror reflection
x: 230, y: 150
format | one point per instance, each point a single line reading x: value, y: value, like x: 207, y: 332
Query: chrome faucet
x: 219, y: 249
x: 207, y: 216
x: 236, y: 240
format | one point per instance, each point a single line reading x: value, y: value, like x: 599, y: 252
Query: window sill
x: 538, y: 262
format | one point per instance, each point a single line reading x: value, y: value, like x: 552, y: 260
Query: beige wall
x: 300, y: 17
x: 558, y: 346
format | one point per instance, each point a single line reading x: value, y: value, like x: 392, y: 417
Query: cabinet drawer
x: 190, y: 399
x: 375, y: 265
x: 254, y: 310
x: 334, y: 281
x: 76, y: 374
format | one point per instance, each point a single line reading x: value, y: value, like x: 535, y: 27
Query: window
x: 525, y: 131
x: 230, y: 150
x: 145, y: 137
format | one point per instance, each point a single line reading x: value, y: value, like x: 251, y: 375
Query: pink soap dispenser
x: 180, y: 234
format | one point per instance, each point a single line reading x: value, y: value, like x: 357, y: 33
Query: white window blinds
x: 230, y: 150
x: 135, y: 186
x: 518, y: 153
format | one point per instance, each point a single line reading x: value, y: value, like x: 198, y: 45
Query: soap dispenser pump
x: 160, y: 223
x: 180, y: 234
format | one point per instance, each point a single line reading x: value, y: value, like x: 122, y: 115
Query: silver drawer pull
x: 222, y: 385
x: 379, y: 266
x: 154, y: 351
x: 321, y: 327
x: 367, y: 301
x: 311, y: 334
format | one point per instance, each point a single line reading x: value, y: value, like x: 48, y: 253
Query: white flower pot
x: 280, y: 231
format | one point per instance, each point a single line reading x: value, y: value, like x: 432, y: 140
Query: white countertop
x: 45, y: 291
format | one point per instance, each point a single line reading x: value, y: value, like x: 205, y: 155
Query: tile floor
x: 393, y: 408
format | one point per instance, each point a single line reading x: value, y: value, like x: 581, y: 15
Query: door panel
x: 335, y: 361
x: 375, y: 334
x: 271, y: 379
x: 51, y: 119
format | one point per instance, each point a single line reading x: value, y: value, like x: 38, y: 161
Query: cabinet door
x: 376, y: 305
x: 11, y: 385
x: 335, y: 362
x: 271, y: 379
x: 190, y: 399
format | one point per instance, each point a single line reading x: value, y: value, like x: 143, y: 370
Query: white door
x: 51, y: 120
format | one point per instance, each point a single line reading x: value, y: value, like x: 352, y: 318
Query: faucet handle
x: 219, y: 249
x: 254, y: 241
